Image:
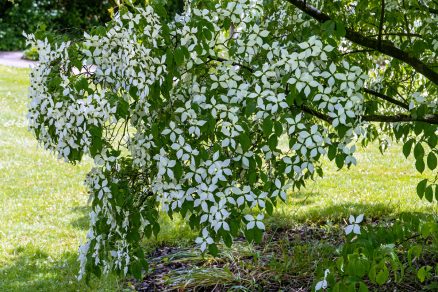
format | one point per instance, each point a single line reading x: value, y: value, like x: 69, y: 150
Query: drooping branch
x: 386, y: 48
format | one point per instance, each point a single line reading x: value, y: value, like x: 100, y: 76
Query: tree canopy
x: 217, y: 112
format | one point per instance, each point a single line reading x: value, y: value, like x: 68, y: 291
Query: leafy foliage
x: 214, y: 114
x: 61, y: 17
x: 383, y: 254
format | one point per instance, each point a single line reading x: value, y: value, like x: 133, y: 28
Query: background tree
x: 214, y: 114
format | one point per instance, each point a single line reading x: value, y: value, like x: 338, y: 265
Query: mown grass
x: 43, y: 215
x: 42, y: 204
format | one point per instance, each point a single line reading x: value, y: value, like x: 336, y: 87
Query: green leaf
x: 421, y: 187
x: 227, y: 239
x: 272, y: 142
x: 363, y: 287
x: 373, y: 273
x: 290, y: 99
x: 245, y: 142
x: 249, y: 234
x: 156, y: 229
x: 418, y: 151
x: 81, y: 84
x: 250, y: 107
x: 424, y: 273
x: 329, y: 27
x: 419, y: 165
x: 258, y: 235
x: 278, y: 128
x: 178, y: 56
x: 136, y: 270
x: 269, y: 207
x: 414, y: 251
x: 382, y: 276
x: 267, y: 127
x: 212, y: 248
x: 428, y: 193
x: 227, y: 23
x: 160, y: 10
x: 122, y: 110
x: 407, y: 147
x: 332, y: 152
x: 340, y: 29
x: 432, y: 141
x: 436, y: 192
x: 431, y: 161
x: 340, y: 161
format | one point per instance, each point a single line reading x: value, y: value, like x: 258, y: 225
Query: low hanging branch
x: 383, y: 47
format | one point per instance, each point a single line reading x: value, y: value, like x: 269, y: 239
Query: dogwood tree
x: 217, y: 112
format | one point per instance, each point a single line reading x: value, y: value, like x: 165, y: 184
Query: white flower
x: 257, y: 221
x: 323, y: 283
x: 354, y: 224
x: 165, y: 165
x: 173, y: 131
x: 204, y: 240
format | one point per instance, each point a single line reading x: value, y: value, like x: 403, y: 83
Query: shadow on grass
x: 83, y: 220
x: 309, y: 210
x: 32, y: 269
x: 303, y: 198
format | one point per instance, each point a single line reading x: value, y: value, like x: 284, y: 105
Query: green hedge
x: 60, y: 16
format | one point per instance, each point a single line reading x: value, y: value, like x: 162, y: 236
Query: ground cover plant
x: 216, y: 113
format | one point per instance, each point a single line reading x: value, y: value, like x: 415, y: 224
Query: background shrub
x: 69, y: 17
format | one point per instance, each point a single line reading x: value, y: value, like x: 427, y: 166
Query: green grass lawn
x: 43, y: 210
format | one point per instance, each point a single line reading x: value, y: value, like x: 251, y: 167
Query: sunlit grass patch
x: 379, y: 186
x: 42, y: 200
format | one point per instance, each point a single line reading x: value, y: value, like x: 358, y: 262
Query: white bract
x: 354, y: 224
x: 323, y: 283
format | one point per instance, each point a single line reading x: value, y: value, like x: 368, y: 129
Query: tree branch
x: 387, y: 98
x: 357, y: 51
x: 317, y: 114
x: 400, y: 118
x: 401, y: 34
x: 386, y: 48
